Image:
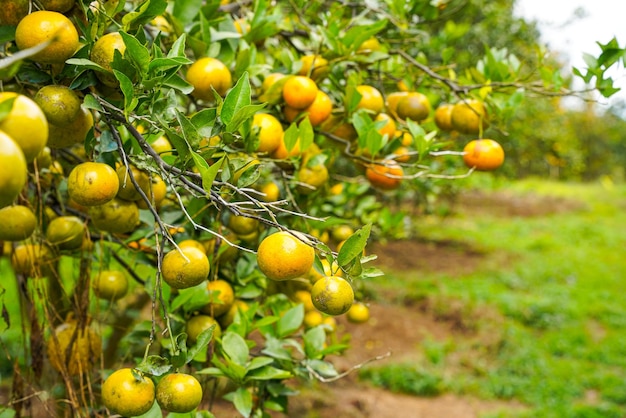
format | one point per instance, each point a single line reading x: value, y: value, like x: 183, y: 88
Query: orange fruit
x: 60, y: 104
x: 74, y: 133
x: 386, y: 175
x: 127, y: 190
x: 283, y: 256
x: 116, y: 216
x: 371, y: 99
x: 317, y: 112
x: 299, y: 92
x: 268, y: 130
x: 443, y: 117
x: 392, y: 101
x: 223, y: 292
x: 12, y: 12
x: 314, y: 66
x: 312, y: 319
x: 469, y: 117
x: 414, y: 106
x: 358, y: 313
x: 31, y: 260
x: 483, y: 154
x: 192, y: 243
x: 199, y: 323
x: 60, y: 6
x: 369, y: 45
x: 103, y: 52
x: 91, y: 184
x: 26, y: 124
x: 270, y: 80
x: 42, y: 26
x: 13, y: 175
x: 162, y: 145
x: 271, y: 191
x: 389, y: 128
x: 207, y: 73
x: 242, y: 225
x: 185, y: 268
x: 84, y: 353
x: 179, y: 393
x: 312, y: 178
x: 66, y: 232
x: 128, y: 392
x: 110, y: 285
x: 18, y: 223
x: 332, y: 295
x: 229, y: 317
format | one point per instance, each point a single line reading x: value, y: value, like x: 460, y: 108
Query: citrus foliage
x: 165, y: 171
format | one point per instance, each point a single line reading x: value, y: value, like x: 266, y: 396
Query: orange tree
x: 187, y: 188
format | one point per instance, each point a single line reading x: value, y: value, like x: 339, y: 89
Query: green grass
x: 557, y: 283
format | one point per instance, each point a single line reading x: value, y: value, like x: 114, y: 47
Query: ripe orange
x: 269, y: 131
x: 128, y: 392
x: 127, y: 190
x: 270, y: 80
x: 110, y: 285
x: 103, y: 52
x: 207, y: 73
x: 469, y: 117
x: 369, y: 45
x: 73, y: 134
x: 483, y: 154
x: 192, y: 243
x: 443, y: 117
x: 31, y: 260
x: 359, y: 313
x: 242, y: 225
x: 312, y: 178
x: 371, y: 99
x: 12, y: 12
x: 299, y: 92
x: 13, y: 175
x: 26, y: 124
x: 386, y: 175
x: 18, y: 223
x: 60, y: 104
x: 91, y: 184
x: 179, y: 393
x: 271, y: 191
x: 162, y: 145
x: 222, y: 291
x: 196, y: 324
x: 304, y: 297
x: 414, y: 106
x: 156, y: 193
x: 185, y: 268
x: 85, y: 350
x: 60, y: 6
x: 66, y: 232
x: 314, y: 66
x: 42, y: 26
x: 392, y: 101
x: 312, y: 319
x: 116, y: 216
x: 389, y: 128
x: 317, y: 112
x: 332, y: 295
x: 283, y: 256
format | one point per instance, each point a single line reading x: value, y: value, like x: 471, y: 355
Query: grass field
x: 546, y: 300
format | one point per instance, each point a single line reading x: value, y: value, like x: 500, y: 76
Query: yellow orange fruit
x: 469, y: 117
x: 44, y: 26
x: 371, y: 99
x: 185, y: 268
x: 207, y: 73
x: 26, y: 124
x: 222, y: 295
x: 268, y: 131
x: 179, y: 393
x: 13, y: 176
x: 73, y: 349
x: 17, y: 223
x: 116, y: 216
x: 483, y: 154
x: 332, y: 295
x: 128, y: 392
x: 283, y: 256
x: 299, y: 92
x: 92, y: 183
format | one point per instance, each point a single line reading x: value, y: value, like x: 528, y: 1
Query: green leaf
x: 237, y: 98
x: 314, y: 340
x: 201, y: 343
x: 83, y: 62
x: 356, y: 35
x: 126, y: 85
x: 242, y: 400
x: 176, y: 82
x: 353, y: 248
x: 186, y: 10
x: 323, y: 368
x: 155, y: 365
x: 291, y: 136
x: 259, y: 362
x: 268, y: 373
x: 90, y: 102
x: 235, y: 347
x: 189, y: 131
x: 291, y: 321
x: 306, y: 134
x: 144, y: 13
x: 136, y: 53
x: 207, y: 172
x: 242, y: 115
x: 5, y: 107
